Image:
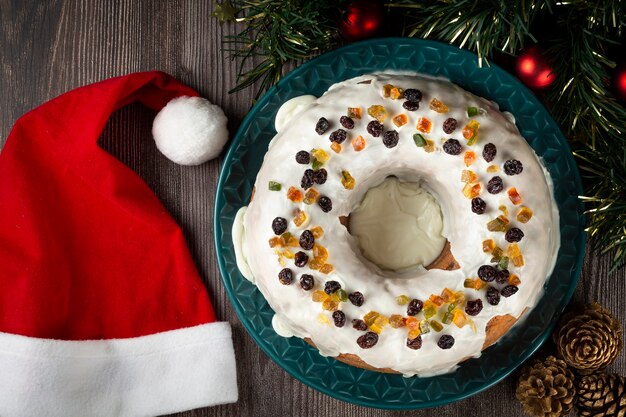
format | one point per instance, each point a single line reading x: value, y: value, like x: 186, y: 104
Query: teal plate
x: 374, y: 389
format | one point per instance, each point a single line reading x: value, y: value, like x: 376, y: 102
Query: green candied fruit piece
x: 447, y: 318
x: 343, y: 296
x: 316, y: 164
x: 436, y: 326
x: 402, y: 300
x: 274, y: 186
x: 496, y: 225
x: 424, y: 327
x: 430, y: 312
x: 451, y: 307
x: 503, y: 263
x: 419, y: 140
x: 472, y: 111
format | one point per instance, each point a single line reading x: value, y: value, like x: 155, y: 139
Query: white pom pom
x: 190, y: 130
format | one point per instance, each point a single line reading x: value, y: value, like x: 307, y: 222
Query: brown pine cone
x: 601, y: 395
x: 546, y: 389
x: 588, y: 341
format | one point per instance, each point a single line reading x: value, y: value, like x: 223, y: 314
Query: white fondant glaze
x: 438, y: 172
x: 238, y: 234
x: 290, y: 109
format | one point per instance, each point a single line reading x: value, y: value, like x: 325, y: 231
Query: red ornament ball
x: 534, y: 69
x: 362, y: 19
x: 619, y: 82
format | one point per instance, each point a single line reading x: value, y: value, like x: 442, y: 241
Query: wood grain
x: 49, y: 47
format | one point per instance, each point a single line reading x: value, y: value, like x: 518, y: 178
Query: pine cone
x: 546, y: 389
x: 589, y: 341
x: 601, y: 395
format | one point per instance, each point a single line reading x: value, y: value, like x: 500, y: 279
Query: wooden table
x: 49, y: 47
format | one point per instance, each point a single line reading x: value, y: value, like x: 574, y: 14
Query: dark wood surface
x: 49, y: 47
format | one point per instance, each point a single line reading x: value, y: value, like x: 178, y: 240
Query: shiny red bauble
x: 618, y: 82
x: 362, y: 20
x: 533, y: 68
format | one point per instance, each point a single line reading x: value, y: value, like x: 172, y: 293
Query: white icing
x: 281, y: 327
x: 440, y: 174
x: 398, y: 225
x: 290, y: 109
x: 239, y: 234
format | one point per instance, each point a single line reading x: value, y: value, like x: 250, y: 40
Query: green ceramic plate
x: 373, y: 389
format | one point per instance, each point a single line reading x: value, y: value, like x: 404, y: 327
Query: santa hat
x: 102, y: 311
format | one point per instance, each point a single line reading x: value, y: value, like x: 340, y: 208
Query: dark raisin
x: 338, y: 136
x: 478, y: 205
x: 411, y: 105
x: 452, y: 147
x: 503, y: 276
x: 493, y: 296
x: 489, y: 152
x: 487, y: 273
x: 413, y: 94
x: 307, y: 240
x: 368, y: 340
x: 356, y: 298
x: 300, y: 259
x: 346, y: 122
x: 414, y: 343
x: 473, y: 307
x: 303, y: 157
x: 339, y: 318
x: 279, y: 225
x: 320, y: 176
x: 445, y: 342
x: 513, y: 235
x: 285, y: 276
x: 390, y: 138
x: 495, y: 185
x: 307, y: 179
x: 359, y: 324
x: 414, y: 307
x: 331, y: 287
x: 325, y: 204
x: 322, y: 126
x: 509, y: 290
x: 513, y: 167
x: 307, y: 282
x: 449, y: 125
x: 374, y: 128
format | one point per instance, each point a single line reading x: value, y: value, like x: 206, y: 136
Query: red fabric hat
x: 102, y: 311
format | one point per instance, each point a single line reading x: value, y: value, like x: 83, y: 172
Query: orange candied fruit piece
x: 400, y: 120
x: 316, y: 264
x: 412, y: 322
x: 475, y: 283
x: 448, y: 295
x: 459, y: 318
x: 437, y: 300
x: 396, y: 321
x: 335, y: 147
x: 294, y: 195
x: 489, y: 245
x: 413, y: 333
x: 369, y: 318
x: 470, y: 132
x: 514, y: 280
x: 310, y: 196
x: 358, y: 143
x: 275, y: 241
x: 318, y: 296
x: 515, y: 255
x: 378, y: 112
x: 330, y: 305
x: 493, y: 168
x: 347, y: 180
x: 524, y: 214
x: 320, y: 252
x: 387, y: 90
x: 327, y: 269
x: 514, y: 196
x: 424, y: 125
x: 438, y: 106
x: 300, y: 217
x: 355, y: 112
x: 396, y: 93
x: 469, y: 158
x: 468, y: 176
x: 317, y: 231
x: 471, y: 190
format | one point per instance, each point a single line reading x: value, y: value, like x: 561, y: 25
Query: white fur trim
x: 142, y: 376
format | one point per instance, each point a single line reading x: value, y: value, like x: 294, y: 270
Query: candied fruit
x: 396, y: 321
x: 468, y: 176
x: 358, y: 143
x: 493, y: 168
x: 503, y: 263
x: 322, y: 319
x: 396, y: 93
x: 343, y: 295
x: 524, y: 214
x: 347, y: 180
x: 497, y: 254
x: 469, y: 158
x: 472, y: 111
x: 475, y: 283
x: 470, y: 132
x: 446, y: 318
x: 274, y: 186
x: 316, y: 264
x: 402, y: 300
x: 414, y: 333
x: 387, y: 90
x: 419, y: 140
x: 300, y: 218
x: 515, y: 255
x: 498, y: 224
x: 320, y: 155
x: 320, y: 252
x: 400, y: 120
x: 437, y: 300
x: 355, y: 112
x: 459, y: 318
x: 448, y: 295
x: 430, y: 311
x: 436, y: 325
x: 330, y: 305
x: 424, y: 327
x: 514, y: 196
x: 294, y: 195
x: 438, y: 106
x: 370, y: 317
x: 327, y: 269
x: 318, y: 296
x: 471, y: 190
x: 317, y: 231
x: 503, y: 209
x: 288, y: 254
x: 379, y: 324
x: 310, y: 196
x: 489, y: 245
x: 378, y: 112
x: 514, y: 280
x: 411, y: 322
x: 335, y: 147
x: 275, y: 241
x: 424, y: 125
x: 430, y: 146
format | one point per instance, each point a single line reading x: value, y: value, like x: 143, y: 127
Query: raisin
x: 300, y: 259
x: 331, y: 287
x: 513, y: 235
x: 303, y: 157
x: 307, y: 179
x: 339, y: 318
x: 325, y: 204
x: 285, y: 276
x: 509, y: 290
x: 495, y: 185
x: 374, y: 128
x: 449, y: 125
x: 487, y: 273
x: 359, y: 324
x: 493, y: 296
x: 307, y: 282
x: 445, y: 342
x: 390, y: 138
x: 413, y: 94
x: 320, y: 176
x: 346, y: 122
x: 452, y: 147
x: 478, y: 205
x: 411, y: 105
x: 368, y: 340
x: 513, y: 167
x: 414, y: 344
x: 414, y: 307
x: 489, y: 152
x: 338, y: 136
x: 279, y: 225
x: 356, y: 298
x: 503, y: 276
x: 473, y: 307
x: 307, y: 240
x: 322, y: 126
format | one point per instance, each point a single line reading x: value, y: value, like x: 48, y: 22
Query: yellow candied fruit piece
x: 300, y: 217
x: 355, y: 112
x: 469, y: 158
x: 515, y: 255
x: 396, y: 93
x: 320, y: 155
x: 470, y: 132
x: 327, y: 269
x: 294, y: 195
x: 514, y: 196
x: 448, y: 295
x: 402, y: 300
x: 379, y: 324
x: 430, y: 146
x: 438, y: 106
x: 310, y: 196
x: 400, y: 120
x: 318, y: 296
x: 503, y: 209
x: 396, y: 321
x: 316, y: 264
x: 320, y: 252
x: 358, y: 143
x: 281, y: 260
x: 459, y: 318
x: 322, y: 319
x: 424, y: 125
x: 330, y: 305
x: 468, y: 176
x: 498, y: 224
x: 335, y: 147
x: 317, y: 231
x: 489, y: 245
x: 275, y: 241
x: 412, y: 322
x: 471, y: 190
x: 370, y: 317
x: 288, y: 254
x: 497, y: 254
x: 475, y: 283
x: 414, y: 333
x: 378, y: 112
x: 436, y: 326
x: 493, y: 168
x: 387, y: 90
x: 437, y: 300
x: 347, y: 180
x: 459, y: 297
x: 524, y: 214
x: 335, y: 296
x: 514, y: 280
